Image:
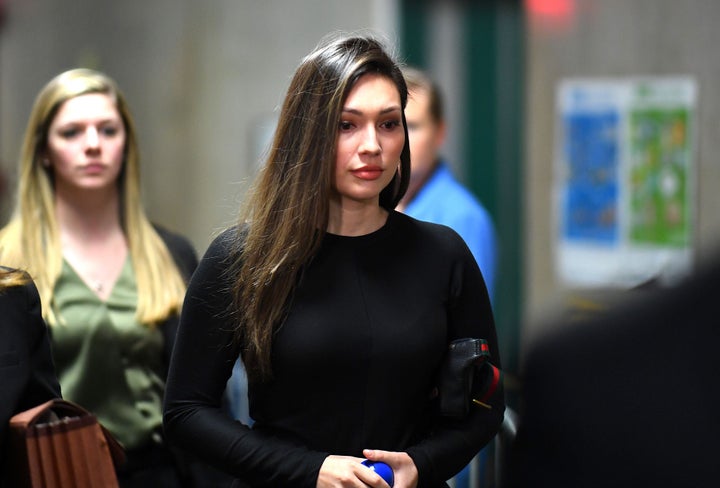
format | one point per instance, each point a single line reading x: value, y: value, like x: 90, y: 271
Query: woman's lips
x: 368, y: 172
x: 94, y: 168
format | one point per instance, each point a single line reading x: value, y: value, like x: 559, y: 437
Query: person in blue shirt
x: 434, y: 195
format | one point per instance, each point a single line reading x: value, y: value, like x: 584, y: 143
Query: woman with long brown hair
x: 340, y: 308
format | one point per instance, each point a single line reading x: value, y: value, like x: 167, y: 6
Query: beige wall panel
x: 203, y: 79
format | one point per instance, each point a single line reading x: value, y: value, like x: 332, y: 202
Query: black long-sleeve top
x: 27, y: 371
x: 354, y: 363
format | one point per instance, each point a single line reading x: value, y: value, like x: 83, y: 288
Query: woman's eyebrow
x: 356, y: 111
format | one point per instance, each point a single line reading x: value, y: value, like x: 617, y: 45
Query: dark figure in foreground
x: 629, y: 399
x: 27, y: 373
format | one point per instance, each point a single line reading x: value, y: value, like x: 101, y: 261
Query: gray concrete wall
x: 203, y: 79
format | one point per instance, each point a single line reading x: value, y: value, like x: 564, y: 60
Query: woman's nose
x: 92, y: 138
x: 370, y: 143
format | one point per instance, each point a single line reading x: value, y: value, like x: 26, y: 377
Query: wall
x: 614, y: 38
x: 203, y: 80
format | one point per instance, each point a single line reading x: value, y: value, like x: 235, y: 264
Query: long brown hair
x: 287, y: 210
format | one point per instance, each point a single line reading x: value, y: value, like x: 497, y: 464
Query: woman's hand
x: 404, y: 470
x: 347, y: 472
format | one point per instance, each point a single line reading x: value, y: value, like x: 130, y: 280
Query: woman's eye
x: 345, y: 125
x: 390, y: 124
x: 109, y: 131
x: 69, y: 133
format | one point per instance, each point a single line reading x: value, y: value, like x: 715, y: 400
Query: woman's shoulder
x: 225, y: 245
x: 17, y: 289
x: 228, y: 238
x: 180, y: 248
x: 425, y: 231
x: 172, y: 239
x: 12, y: 277
x: 430, y: 241
x: 217, y: 266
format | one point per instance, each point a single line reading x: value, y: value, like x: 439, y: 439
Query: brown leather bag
x: 60, y: 444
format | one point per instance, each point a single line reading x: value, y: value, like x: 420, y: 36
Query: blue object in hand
x: 382, y: 469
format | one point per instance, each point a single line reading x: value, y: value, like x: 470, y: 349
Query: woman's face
x: 370, y: 139
x: 86, y: 142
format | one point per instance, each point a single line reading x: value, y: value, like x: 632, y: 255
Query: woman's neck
x: 92, y: 239
x: 356, y: 221
x: 88, y: 215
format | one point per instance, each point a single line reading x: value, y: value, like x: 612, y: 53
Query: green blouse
x: 106, y: 361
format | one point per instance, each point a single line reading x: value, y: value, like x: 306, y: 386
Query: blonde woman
x: 27, y: 374
x: 111, y: 283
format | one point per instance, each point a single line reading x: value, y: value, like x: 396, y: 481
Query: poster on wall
x: 624, y: 186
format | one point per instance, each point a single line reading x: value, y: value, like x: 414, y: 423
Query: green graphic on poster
x: 649, y: 151
x: 659, y: 166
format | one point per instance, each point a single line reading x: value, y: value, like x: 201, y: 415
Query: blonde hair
x: 31, y: 239
x: 12, y: 277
